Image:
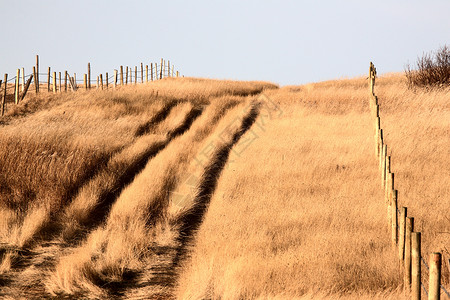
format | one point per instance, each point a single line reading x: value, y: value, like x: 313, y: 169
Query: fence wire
x: 156, y: 70
x: 445, y: 291
x: 424, y: 289
x: 398, y: 212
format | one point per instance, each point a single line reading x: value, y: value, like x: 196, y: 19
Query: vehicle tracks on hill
x: 81, y: 216
x: 159, y: 278
x: 120, y: 236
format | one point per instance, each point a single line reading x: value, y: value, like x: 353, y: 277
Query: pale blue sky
x: 286, y: 42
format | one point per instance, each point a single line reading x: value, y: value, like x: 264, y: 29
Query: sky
x: 285, y: 42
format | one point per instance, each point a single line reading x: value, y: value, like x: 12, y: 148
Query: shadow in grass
x: 192, y: 219
x: 157, y: 118
x: 165, y: 276
x: 127, y: 175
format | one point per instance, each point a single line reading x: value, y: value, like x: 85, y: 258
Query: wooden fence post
x: 383, y: 166
x: 389, y: 187
x: 36, y: 78
x: 409, y: 229
x: 85, y: 82
x: 372, y: 80
x: 380, y: 143
x: 375, y: 110
x: 72, y: 83
x: 394, y: 221
x: 89, y: 76
x: 435, y: 277
x: 16, y: 89
x: 376, y: 113
x: 135, y: 75
x: 26, y: 87
x: 161, y: 68
x: 101, y: 81
x: 416, y: 292
x: 60, y: 90
x: 36, y: 84
x: 5, y: 84
x: 106, y: 80
x: 178, y: 74
x: 387, y: 165
x: 380, y: 147
x: 65, y: 80
x: 121, y: 75
x: 168, y: 68
x: 401, y: 233
x: 48, y: 80
x: 151, y: 71
x: 142, y: 73
x: 146, y: 73
x: 75, y: 85
x: 54, y: 82
x: 126, y: 76
x: 377, y: 132
x: 23, y: 80
x: 388, y: 198
x: 115, y: 78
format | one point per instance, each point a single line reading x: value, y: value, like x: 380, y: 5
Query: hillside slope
x: 196, y: 189
x: 300, y: 213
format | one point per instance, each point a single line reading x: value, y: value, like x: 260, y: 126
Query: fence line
x: 54, y: 84
x: 402, y: 226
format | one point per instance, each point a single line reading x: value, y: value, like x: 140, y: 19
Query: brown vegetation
x: 67, y: 163
x: 432, y: 69
x: 193, y: 188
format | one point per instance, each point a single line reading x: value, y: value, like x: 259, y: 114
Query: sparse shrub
x: 433, y: 69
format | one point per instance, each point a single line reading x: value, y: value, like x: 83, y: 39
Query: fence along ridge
x: 55, y: 84
x: 403, y: 236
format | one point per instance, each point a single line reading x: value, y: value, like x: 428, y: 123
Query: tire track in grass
x: 157, y: 118
x: 159, y: 278
x: 44, y: 229
x: 109, y: 261
x: 117, y: 175
x: 192, y: 219
x: 91, y: 205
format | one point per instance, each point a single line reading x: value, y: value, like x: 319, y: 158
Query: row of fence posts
x: 404, y: 237
x: 55, y: 84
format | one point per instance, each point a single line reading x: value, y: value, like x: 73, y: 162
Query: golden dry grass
x: 196, y: 189
x: 311, y: 220
x: 68, y: 160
